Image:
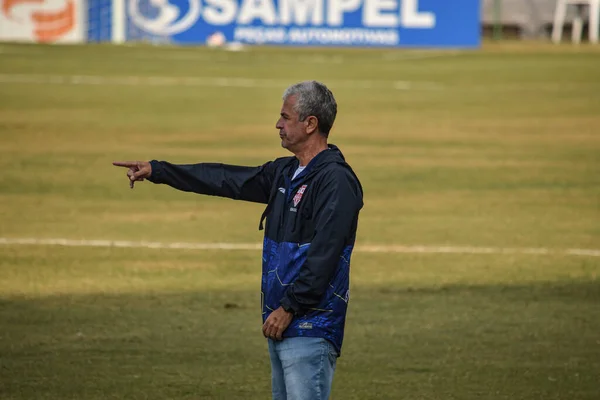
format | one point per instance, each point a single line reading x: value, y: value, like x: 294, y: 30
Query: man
x: 313, y: 201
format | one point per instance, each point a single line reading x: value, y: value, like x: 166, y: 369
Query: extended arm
x: 232, y: 181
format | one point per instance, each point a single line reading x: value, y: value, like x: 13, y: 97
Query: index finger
x: 128, y: 164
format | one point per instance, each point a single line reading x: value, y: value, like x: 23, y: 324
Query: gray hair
x: 313, y: 98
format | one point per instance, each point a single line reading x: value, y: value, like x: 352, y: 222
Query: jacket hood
x: 332, y: 155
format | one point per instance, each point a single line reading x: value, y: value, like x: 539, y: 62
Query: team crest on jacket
x: 298, y: 195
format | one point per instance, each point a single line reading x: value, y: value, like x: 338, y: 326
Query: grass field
x: 495, y: 148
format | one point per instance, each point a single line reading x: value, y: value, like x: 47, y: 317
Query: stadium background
x: 476, y: 140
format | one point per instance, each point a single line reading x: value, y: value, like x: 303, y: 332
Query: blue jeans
x: 302, y: 368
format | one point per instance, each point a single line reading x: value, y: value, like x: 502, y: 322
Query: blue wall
x: 365, y: 23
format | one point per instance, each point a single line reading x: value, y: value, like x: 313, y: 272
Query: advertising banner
x: 364, y: 23
x: 43, y: 21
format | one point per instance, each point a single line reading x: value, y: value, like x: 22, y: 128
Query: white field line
x: 258, y: 246
x: 240, y: 82
x: 418, y: 55
x: 201, y: 82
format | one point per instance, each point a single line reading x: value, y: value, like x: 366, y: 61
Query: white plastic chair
x: 561, y: 12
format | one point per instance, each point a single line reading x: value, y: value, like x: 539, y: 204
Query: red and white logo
x: 299, y: 195
x: 44, y: 21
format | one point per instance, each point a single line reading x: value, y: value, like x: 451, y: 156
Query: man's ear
x: 311, y: 124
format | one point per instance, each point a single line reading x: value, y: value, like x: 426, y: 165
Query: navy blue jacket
x: 310, y: 230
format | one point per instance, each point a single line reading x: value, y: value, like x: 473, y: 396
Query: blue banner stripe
x: 380, y: 23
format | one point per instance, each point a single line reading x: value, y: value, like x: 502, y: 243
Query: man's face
x: 293, y: 133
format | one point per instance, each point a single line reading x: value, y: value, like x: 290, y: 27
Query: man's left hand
x: 277, y: 323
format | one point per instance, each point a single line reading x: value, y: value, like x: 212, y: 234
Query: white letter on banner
x: 373, y: 16
x: 301, y: 9
x: 253, y: 9
x: 336, y: 9
x: 220, y: 12
x: 412, y: 18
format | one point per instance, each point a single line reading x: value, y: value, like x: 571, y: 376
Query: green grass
x: 497, y: 148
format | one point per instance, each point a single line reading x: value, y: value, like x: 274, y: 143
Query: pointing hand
x: 137, y: 170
